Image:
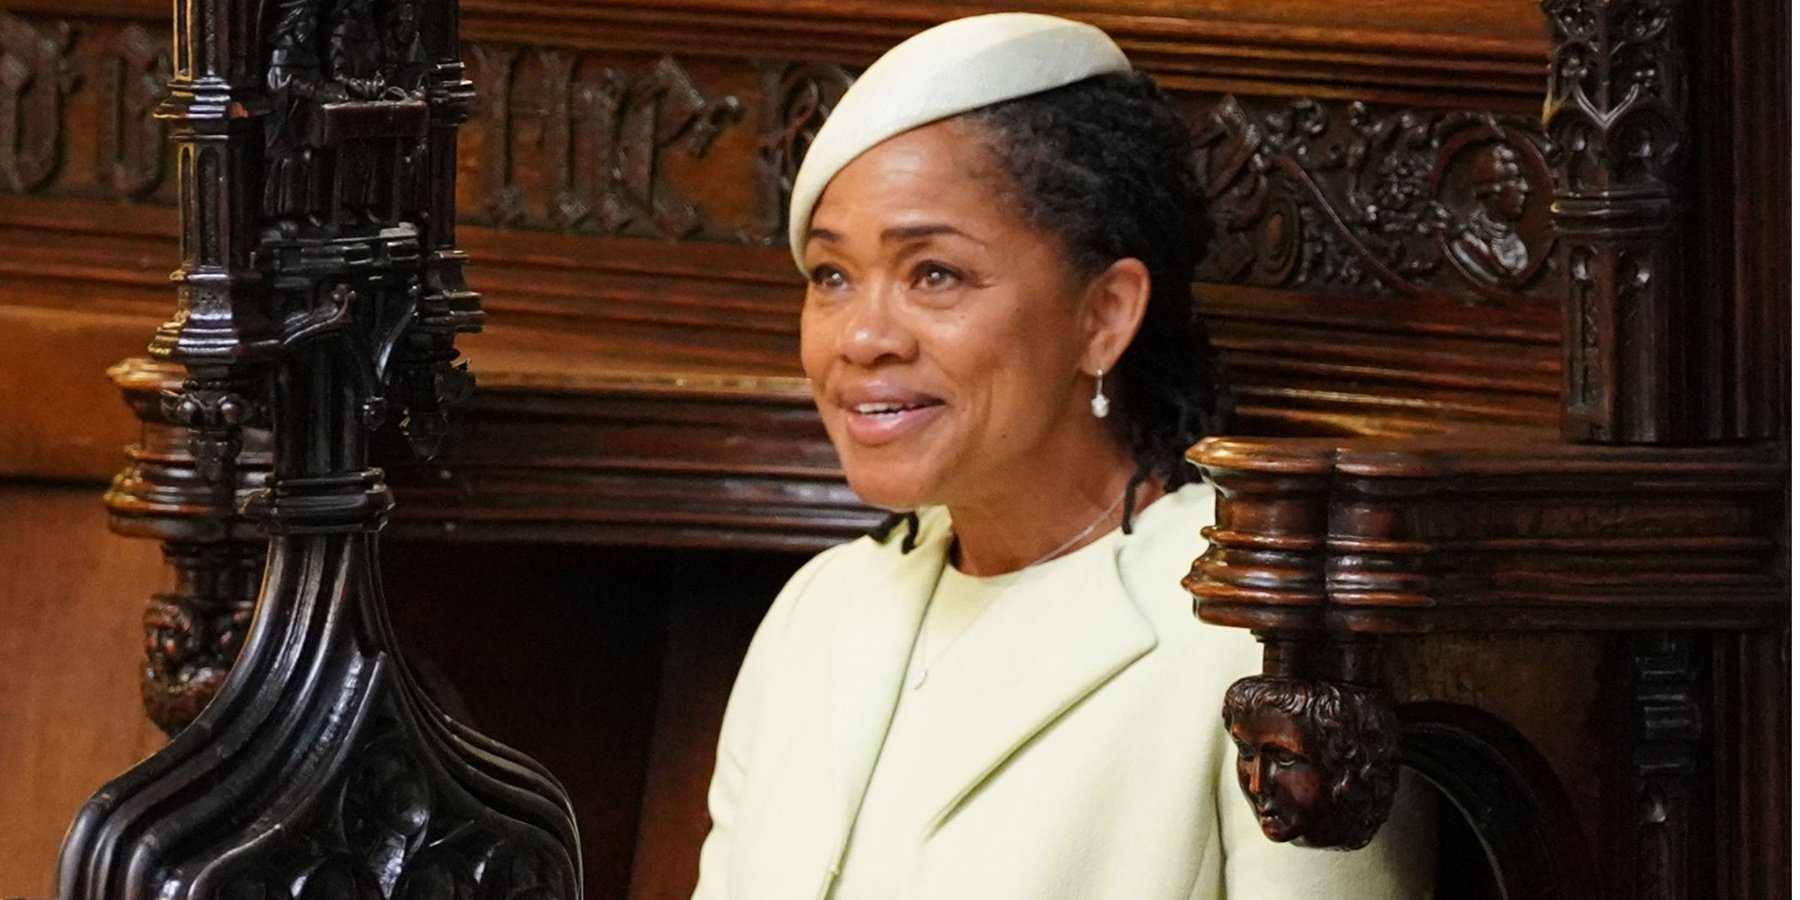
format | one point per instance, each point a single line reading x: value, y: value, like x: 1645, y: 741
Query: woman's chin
x: 891, y: 494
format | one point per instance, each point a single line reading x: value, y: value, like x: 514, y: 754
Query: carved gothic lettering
x: 597, y: 134
x: 796, y: 100
x: 35, y: 75
x: 132, y: 140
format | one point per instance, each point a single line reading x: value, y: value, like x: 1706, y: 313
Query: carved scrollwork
x: 1351, y: 197
x: 602, y: 133
x: 36, y: 73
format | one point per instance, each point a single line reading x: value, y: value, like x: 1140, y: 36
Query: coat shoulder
x: 1153, y: 560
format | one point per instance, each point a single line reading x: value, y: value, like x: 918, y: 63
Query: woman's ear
x: 1116, y: 299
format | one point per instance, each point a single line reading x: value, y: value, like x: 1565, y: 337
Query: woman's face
x: 949, y: 343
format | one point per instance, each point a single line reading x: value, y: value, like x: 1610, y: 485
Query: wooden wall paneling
x: 1382, y: 190
x: 71, y: 601
x: 675, y: 461
x: 623, y: 176
x: 1740, y: 156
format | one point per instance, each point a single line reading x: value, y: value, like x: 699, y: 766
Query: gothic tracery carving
x: 1613, y: 117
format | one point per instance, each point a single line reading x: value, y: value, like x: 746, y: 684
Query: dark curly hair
x: 1105, y: 164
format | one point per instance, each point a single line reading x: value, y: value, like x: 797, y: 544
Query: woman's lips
x: 874, y: 424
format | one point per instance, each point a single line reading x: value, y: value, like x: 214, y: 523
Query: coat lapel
x: 1027, y: 661
x: 874, y: 624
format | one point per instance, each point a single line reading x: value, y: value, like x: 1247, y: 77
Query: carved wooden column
x: 320, y: 295
x: 1614, y: 117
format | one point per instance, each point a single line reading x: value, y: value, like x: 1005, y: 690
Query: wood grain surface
x: 71, y: 609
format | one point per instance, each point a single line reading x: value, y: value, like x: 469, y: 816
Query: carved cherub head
x: 1318, y: 761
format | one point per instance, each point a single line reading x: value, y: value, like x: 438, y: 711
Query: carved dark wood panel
x: 1350, y: 197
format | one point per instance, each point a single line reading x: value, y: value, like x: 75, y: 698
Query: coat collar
x: 1019, y: 668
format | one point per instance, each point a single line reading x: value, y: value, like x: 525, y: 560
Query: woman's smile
x: 877, y: 416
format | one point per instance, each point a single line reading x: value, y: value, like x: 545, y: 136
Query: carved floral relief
x: 1351, y: 197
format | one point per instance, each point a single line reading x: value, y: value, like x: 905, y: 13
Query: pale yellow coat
x: 1082, y: 757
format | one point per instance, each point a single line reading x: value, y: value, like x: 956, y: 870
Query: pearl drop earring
x: 1100, y: 404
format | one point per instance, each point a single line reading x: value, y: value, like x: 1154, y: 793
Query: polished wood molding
x: 1411, y: 537
x: 689, y: 460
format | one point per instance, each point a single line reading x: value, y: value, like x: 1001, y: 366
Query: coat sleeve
x: 737, y: 735
x: 1397, y: 865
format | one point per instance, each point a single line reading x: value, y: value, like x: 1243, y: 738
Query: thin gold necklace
x: 920, y: 644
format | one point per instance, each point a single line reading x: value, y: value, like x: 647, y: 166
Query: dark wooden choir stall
x: 1501, y: 286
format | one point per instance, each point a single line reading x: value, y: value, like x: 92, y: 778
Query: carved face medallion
x: 1277, y: 774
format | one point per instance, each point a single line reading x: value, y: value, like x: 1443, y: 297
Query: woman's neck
x: 1059, y: 517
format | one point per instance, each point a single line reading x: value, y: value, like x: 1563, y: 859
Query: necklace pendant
x: 918, y: 678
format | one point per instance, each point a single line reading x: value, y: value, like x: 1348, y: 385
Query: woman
x: 1004, y: 694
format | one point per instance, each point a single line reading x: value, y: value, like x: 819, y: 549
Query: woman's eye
x: 828, y: 277
x: 935, y: 276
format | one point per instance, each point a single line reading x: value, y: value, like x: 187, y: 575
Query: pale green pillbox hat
x: 940, y: 72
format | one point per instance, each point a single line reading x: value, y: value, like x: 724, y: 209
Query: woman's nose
x: 872, y: 333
